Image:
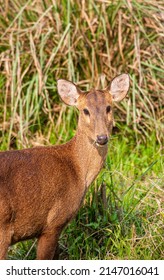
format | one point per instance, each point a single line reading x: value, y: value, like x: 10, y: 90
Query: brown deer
x: 42, y: 188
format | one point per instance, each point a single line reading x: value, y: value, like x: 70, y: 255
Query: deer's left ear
x: 119, y: 87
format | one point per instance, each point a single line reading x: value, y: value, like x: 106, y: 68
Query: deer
x: 42, y: 188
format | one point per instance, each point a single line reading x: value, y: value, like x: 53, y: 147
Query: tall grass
x: 89, y: 42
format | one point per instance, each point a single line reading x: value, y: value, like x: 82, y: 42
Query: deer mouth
x: 101, y: 145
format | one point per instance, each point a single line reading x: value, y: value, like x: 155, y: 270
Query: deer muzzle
x: 102, y: 140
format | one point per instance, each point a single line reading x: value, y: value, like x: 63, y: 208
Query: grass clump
x: 89, y: 42
x: 122, y: 217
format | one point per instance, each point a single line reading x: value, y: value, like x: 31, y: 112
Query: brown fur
x: 41, y: 189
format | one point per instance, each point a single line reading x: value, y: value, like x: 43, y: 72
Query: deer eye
x: 86, y: 112
x: 108, y: 108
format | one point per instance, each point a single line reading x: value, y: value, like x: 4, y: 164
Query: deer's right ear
x: 68, y: 92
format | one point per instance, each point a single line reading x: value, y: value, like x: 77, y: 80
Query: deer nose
x: 102, y: 139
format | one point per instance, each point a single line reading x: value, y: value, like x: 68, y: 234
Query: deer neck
x: 89, y: 157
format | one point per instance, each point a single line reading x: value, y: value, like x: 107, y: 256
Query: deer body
x: 41, y: 189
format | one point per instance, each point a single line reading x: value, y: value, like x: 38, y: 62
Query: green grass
x: 122, y: 215
x: 89, y: 42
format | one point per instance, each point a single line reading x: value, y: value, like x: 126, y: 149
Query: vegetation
x: 89, y: 42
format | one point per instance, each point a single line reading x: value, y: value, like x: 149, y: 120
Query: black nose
x: 102, y: 139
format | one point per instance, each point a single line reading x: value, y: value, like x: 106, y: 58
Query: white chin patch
x: 97, y: 144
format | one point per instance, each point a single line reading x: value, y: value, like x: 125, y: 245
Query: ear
x: 68, y: 92
x: 119, y: 87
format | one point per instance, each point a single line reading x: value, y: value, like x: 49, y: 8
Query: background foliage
x: 90, y: 42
